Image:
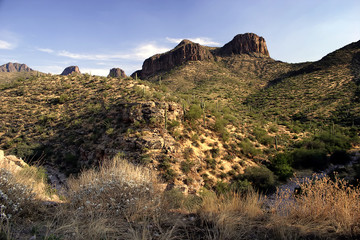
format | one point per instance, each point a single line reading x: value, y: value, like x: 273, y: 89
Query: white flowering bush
x: 15, y: 198
x: 103, y: 203
x: 117, y: 188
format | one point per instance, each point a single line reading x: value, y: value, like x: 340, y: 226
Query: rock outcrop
x: 245, y: 44
x: 117, y: 73
x: 183, y: 52
x: 71, y: 70
x: 248, y: 43
x: 15, y: 67
x: 11, y: 163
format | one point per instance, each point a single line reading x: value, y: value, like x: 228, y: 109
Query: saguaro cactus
x: 203, y: 108
x: 166, y: 117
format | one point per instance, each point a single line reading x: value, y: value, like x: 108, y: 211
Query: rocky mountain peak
x: 71, y: 70
x: 117, y: 73
x: 15, y: 67
x: 186, y: 50
x: 183, y: 52
x: 245, y: 43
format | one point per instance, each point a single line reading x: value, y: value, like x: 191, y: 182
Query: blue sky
x: 49, y: 35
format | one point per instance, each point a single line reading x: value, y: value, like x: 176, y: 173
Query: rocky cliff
x: 15, y: 67
x: 183, y: 52
x: 71, y: 70
x: 248, y: 43
x: 245, y: 44
x: 117, y: 73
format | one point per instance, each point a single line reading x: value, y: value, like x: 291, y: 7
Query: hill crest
x: 15, y: 67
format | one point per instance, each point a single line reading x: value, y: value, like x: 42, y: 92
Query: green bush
x: 262, y: 136
x: 281, y: 166
x: 261, y: 178
x: 248, y: 148
x: 241, y: 186
x: 194, y: 113
x: 309, y: 158
x: 222, y: 187
x: 334, y: 142
x: 186, y: 166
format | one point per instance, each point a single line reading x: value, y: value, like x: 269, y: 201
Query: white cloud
x: 139, y: 53
x: 6, y: 45
x: 148, y: 50
x: 200, y: 40
x: 97, y: 57
x: 46, y: 50
x: 95, y: 71
x: 55, y: 69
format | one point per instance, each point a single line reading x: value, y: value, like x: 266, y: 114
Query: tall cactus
x: 166, y: 117
x: 203, y: 108
x: 184, y: 111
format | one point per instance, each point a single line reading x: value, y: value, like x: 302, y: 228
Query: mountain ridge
x: 15, y: 67
x: 186, y: 50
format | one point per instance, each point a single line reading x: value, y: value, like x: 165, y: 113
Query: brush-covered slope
x: 326, y: 90
x: 76, y: 121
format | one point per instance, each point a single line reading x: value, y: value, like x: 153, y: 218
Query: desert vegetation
x: 119, y: 200
x: 201, y: 151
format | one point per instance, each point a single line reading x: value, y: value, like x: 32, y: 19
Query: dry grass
x: 117, y: 201
x: 325, y: 208
x: 122, y: 201
x: 231, y: 217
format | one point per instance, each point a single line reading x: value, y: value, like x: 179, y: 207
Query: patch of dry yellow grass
x: 326, y: 207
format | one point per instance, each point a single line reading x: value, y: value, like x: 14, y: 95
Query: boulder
x: 71, y: 70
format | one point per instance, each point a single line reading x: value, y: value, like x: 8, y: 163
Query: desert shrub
x: 309, y: 158
x: 186, y: 166
x: 273, y: 128
x: 171, y: 125
x: 248, y: 148
x: 281, y: 166
x: 334, y: 142
x: 174, y: 198
x: 63, y: 98
x: 16, y: 199
x: 241, y: 186
x: 188, y: 152
x: 222, y: 187
x: 215, y: 152
x: 194, y: 113
x: 262, y: 136
x: 220, y: 127
x: 116, y: 188
x: 211, y: 162
x: 328, y: 141
x: 261, y: 178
